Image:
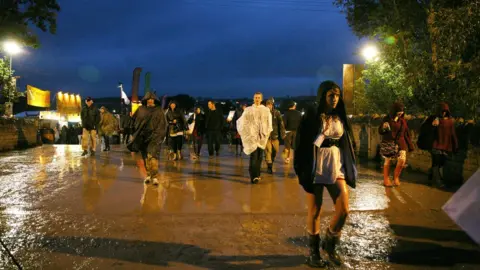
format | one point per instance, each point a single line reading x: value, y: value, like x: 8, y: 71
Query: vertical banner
x: 37, y: 97
x: 136, y: 84
x: 147, y: 82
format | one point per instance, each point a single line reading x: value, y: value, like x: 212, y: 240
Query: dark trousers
x: 197, y: 144
x: 106, y: 139
x: 255, y: 163
x: 438, y: 162
x: 213, y: 137
x: 176, y: 143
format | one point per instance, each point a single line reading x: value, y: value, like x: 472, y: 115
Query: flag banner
x: 38, y: 97
x: 464, y: 207
x: 69, y: 103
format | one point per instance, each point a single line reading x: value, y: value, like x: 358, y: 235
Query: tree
x: 17, y: 15
x: 435, y: 42
x: 383, y: 84
x: 7, y: 85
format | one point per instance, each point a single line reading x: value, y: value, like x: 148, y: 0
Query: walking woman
x: 176, y: 130
x: 394, y: 131
x: 440, y: 138
x: 198, y: 120
x: 324, y: 158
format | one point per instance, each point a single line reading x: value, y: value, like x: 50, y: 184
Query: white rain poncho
x: 254, y: 128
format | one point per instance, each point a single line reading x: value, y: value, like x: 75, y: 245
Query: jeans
x: 197, y: 144
x: 271, y: 150
x: 255, y: 163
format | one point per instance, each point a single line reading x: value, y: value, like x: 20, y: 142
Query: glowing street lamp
x: 370, y: 53
x: 11, y: 48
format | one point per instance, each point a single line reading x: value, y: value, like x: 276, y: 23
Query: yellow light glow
x: 370, y: 53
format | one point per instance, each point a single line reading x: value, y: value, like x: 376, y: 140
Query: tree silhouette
x: 17, y: 15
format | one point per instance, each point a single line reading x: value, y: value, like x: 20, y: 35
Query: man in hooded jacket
x: 149, y: 129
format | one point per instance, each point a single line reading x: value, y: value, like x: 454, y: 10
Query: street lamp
x: 370, y: 52
x: 11, y: 48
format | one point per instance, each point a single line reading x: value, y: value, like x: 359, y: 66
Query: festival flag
x: 123, y: 94
x: 37, y: 97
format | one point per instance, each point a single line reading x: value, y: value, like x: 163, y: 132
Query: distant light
x: 303, y: 113
x: 113, y: 111
x: 12, y: 47
x: 370, y: 53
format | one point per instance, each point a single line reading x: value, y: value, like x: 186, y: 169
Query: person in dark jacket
x: 176, y: 130
x: 291, y: 120
x: 213, y: 123
x: 324, y: 158
x: 442, y: 126
x: 394, y: 128
x: 237, y: 140
x: 198, y: 120
x: 90, y: 122
x: 273, y: 144
x: 149, y: 129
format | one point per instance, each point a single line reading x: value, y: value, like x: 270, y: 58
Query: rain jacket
x: 255, y: 126
x: 149, y: 127
x: 180, y: 125
x: 278, y: 128
x: 90, y: 117
x: 108, y: 123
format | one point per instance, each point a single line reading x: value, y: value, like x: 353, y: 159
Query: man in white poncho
x: 254, y: 128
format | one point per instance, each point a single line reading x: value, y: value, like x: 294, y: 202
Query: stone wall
x: 18, y: 133
x: 462, y: 165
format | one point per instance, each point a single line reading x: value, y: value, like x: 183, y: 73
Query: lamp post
x: 11, y: 48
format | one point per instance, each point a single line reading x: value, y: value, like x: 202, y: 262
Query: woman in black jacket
x: 324, y: 158
x: 198, y: 119
x: 176, y: 128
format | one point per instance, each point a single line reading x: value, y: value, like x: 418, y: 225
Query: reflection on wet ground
x: 61, y: 211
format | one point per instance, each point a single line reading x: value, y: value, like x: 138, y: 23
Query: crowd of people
x: 320, y: 142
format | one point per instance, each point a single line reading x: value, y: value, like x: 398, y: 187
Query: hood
x: 443, y: 107
x: 172, y: 102
x: 104, y: 108
x: 324, y: 88
x: 397, y: 107
x: 148, y: 96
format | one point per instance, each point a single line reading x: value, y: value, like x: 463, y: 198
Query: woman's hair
x: 323, y: 107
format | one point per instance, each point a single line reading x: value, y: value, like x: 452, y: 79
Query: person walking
x: 198, y: 120
x: 254, y: 127
x: 108, y: 125
x: 90, y: 122
x: 278, y: 130
x: 149, y: 130
x: 291, y: 120
x: 395, y: 143
x: 176, y: 130
x: 324, y: 158
x: 438, y: 136
x: 214, y: 123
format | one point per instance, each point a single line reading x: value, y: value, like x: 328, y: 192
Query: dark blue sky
x: 220, y: 48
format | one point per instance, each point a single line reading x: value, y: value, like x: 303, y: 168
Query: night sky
x: 209, y: 48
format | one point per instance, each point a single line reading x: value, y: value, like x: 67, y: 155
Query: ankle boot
x: 270, y: 168
x: 329, y: 244
x: 386, y: 176
x: 397, y: 172
x: 314, y: 259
